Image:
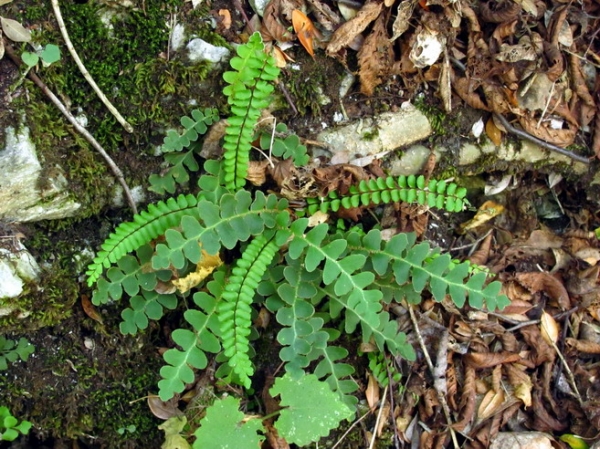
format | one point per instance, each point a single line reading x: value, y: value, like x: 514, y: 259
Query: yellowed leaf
x: 372, y: 392
x: 317, y: 218
x: 486, y: 212
x: 549, y: 328
x: 490, y: 404
x: 523, y: 392
x: 205, y: 267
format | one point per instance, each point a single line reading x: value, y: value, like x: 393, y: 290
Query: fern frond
x: 334, y: 373
x: 128, y: 276
x: 194, y: 343
x: 339, y: 272
x: 408, y: 189
x: 248, y: 93
x: 193, y: 126
x: 148, y: 306
x: 284, y: 147
x: 414, y: 269
x: 234, y: 219
x: 146, y: 226
x: 182, y: 162
x: 234, y: 310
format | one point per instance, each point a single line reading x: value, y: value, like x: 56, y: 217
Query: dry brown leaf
x: 372, y: 392
x: 560, y: 137
x: 305, y: 30
x: 549, y: 328
x: 257, y: 172
x: 402, y: 21
x: 467, y: 402
x: 490, y: 359
x: 589, y: 347
x: 490, y: 404
x: 272, y: 28
x: 346, y: 33
x: 90, y: 310
x: 481, y: 255
x: 544, y: 239
x: 544, y: 282
x: 374, y: 57
x: 493, y: 132
x: 164, y: 409
x: 584, y: 281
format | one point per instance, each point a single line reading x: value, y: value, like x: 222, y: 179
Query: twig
x: 84, y: 132
x: 432, y: 370
x: 540, y: 142
x: 381, y: 407
x: 85, y: 73
x: 354, y: 424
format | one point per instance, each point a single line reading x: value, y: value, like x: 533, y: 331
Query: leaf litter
x: 534, y: 63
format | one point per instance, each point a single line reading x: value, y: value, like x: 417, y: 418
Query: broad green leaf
x: 224, y: 427
x: 312, y: 409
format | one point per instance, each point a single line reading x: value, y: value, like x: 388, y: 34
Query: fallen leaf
x: 372, y: 392
x: 14, y: 30
x: 493, y: 133
x: 544, y: 282
x: 402, y: 21
x: 90, y: 310
x: 549, y: 328
x: 204, y: 268
x: 490, y: 404
x: 346, y: 33
x: 305, y: 30
x: 374, y: 58
x: 226, y: 18
x: 486, y: 212
x: 164, y: 409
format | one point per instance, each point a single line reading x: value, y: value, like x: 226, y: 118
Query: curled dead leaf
x: 372, y: 392
x: 346, y: 33
x: 493, y: 132
x: 549, y: 328
x: 305, y: 30
x: 544, y: 282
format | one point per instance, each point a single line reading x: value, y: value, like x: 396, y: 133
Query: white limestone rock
x: 386, y: 132
x: 21, y: 196
x: 17, y: 266
x: 200, y: 50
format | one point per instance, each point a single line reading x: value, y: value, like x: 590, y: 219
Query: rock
x: 200, y: 50
x: 521, y: 440
x: 17, y: 266
x: 27, y: 192
x: 384, y: 132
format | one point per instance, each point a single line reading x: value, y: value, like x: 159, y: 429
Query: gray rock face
x: 368, y: 137
x: 21, y: 198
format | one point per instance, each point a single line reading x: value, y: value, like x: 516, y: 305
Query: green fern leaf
x: 234, y: 219
x: 148, y: 306
x: 194, y: 343
x: 248, y: 92
x: 194, y: 126
x: 409, y: 189
x: 235, y: 310
x: 146, y: 226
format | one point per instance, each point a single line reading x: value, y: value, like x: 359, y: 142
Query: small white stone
x: 177, y: 36
x: 200, y: 50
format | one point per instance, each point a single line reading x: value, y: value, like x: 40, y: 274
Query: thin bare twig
x: 550, y: 146
x: 354, y: 424
x: 85, y: 73
x: 80, y: 129
x: 381, y: 407
x: 433, y: 371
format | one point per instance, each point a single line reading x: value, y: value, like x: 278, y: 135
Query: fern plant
x: 318, y: 282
